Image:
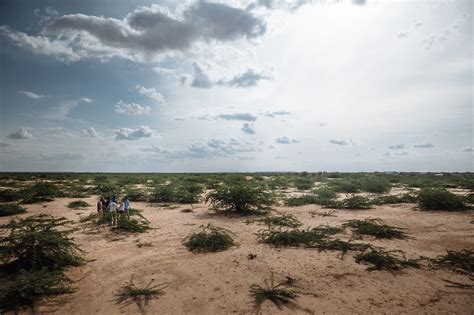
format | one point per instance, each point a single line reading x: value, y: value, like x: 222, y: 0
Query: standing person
x: 113, y: 212
x: 121, y: 207
x: 100, y: 206
x: 126, y: 204
x: 107, y: 202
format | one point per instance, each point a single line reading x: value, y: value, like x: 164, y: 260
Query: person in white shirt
x: 113, y: 211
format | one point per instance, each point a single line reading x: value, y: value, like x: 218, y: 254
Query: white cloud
x: 401, y: 153
x: 238, y: 116
x: 87, y: 100
x: 248, y: 129
x: 21, y: 133
x: 467, y: 149
x: 285, y: 140
x: 396, y: 146
x: 151, y: 93
x: 276, y: 113
x: 338, y: 142
x: 31, y: 94
x: 246, y: 79
x: 133, y: 134
x: 131, y: 108
x: 89, y: 133
x: 423, y: 145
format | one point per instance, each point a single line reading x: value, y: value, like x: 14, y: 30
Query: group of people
x: 110, y: 205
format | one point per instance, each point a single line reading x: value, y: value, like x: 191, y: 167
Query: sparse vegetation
x: 278, y: 293
x: 241, y: 197
x: 380, y: 259
x: 375, y: 228
x: 131, y: 293
x: 135, y: 222
x: 34, y: 254
x: 392, y: 199
x: 296, y: 237
x: 40, y: 192
x: 440, y: 199
x: 11, y: 209
x: 352, y: 202
x: 459, y: 261
x: 9, y: 195
x: 78, y: 204
x: 281, y: 220
x: 211, y: 238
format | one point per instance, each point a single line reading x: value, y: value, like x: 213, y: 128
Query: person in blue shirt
x: 126, y: 204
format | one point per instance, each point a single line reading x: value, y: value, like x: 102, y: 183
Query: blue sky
x: 236, y: 86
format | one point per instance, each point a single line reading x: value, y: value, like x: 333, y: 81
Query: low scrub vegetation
x: 185, y: 193
x: 459, y: 261
x: 34, y: 254
x: 440, y: 199
x: 78, y: 204
x: 393, y: 199
x: 376, y: 228
x: 281, y: 220
x: 9, y: 195
x: 11, y: 209
x: 211, y: 238
x: 135, y: 222
x: 352, y: 202
x: 296, y: 237
x: 389, y: 260
x: 131, y: 293
x: 241, y: 198
x: 278, y: 293
x: 40, y: 192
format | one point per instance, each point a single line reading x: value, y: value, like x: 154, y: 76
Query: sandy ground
x: 218, y: 283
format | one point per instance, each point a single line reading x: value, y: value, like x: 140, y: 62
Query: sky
x: 236, y: 86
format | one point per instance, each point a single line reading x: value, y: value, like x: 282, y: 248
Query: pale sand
x: 218, y: 283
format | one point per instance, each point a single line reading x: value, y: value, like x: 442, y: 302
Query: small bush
x: 340, y: 245
x: 440, y: 199
x: 297, y: 237
x: 37, y: 242
x: 134, y: 222
x: 282, y: 220
x: 301, y: 200
x: 136, y: 195
x: 375, y: 228
x: 187, y: 193
x: 352, y: 202
x: 25, y: 288
x: 277, y: 293
x: 375, y: 184
x: 324, y: 195
x: 11, y: 209
x: 107, y: 189
x: 304, y: 183
x: 392, y: 199
x: 40, y: 192
x: 241, y: 197
x: 136, y: 225
x: 9, y: 195
x: 211, y: 238
x: 389, y: 260
x: 459, y: 261
x: 131, y: 293
x: 344, y: 186
x: 78, y: 204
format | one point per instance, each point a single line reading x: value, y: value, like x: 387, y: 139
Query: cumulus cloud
x: 21, y: 133
x: 145, y: 32
x: 89, y: 133
x: 396, y: 146
x: 87, y: 100
x: 248, y: 129
x: 275, y: 113
x: 467, y: 149
x: 238, y: 116
x: 151, y: 93
x: 200, y: 78
x: 285, y: 140
x: 31, y: 94
x: 423, y: 145
x: 401, y: 153
x: 133, y: 134
x: 131, y: 108
x: 246, y: 79
x: 338, y: 142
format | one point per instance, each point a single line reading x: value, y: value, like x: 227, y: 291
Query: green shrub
x: 11, y: 209
x: 459, y: 261
x: 136, y: 195
x: 440, y: 199
x: 186, y: 193
x: 163, y: 193
x: 139, y: 295
x: 304, y: 183
x: 345, y: 186
x: 40, y: 192
x: 22, y: 290
x: 375, y: 228
x: 324, y: 194
x: 37, y: 242
x: 242, y: 198
x: 389, y: 260
x: 281, y: 220
x: 78, y: 204
x: 8, y: 195
x: 301, y: 200
x: 107, y: 189
x: 375, y: 184
x: 392, y: 199
x: 352, y: 202
x: 277, y: 293
x: 131, y: 224
x: 297, y: 237
x: 211, y: 238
